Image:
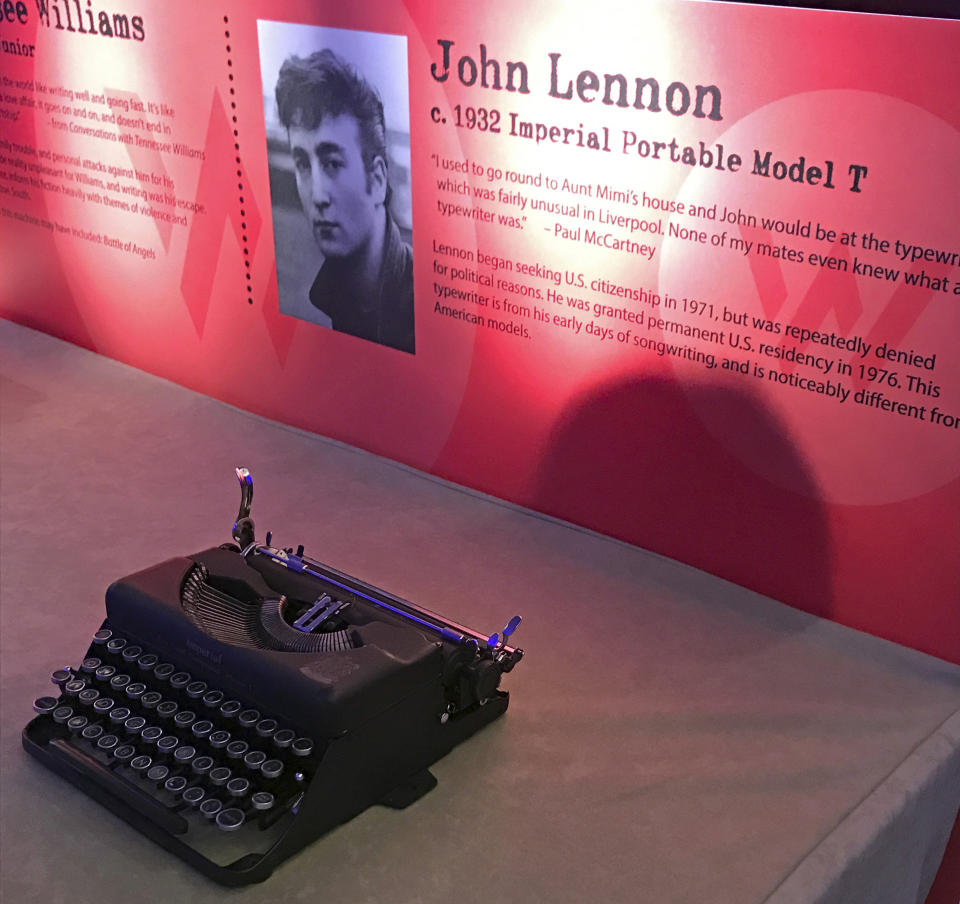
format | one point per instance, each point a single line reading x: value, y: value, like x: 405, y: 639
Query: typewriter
x: 238, y: 703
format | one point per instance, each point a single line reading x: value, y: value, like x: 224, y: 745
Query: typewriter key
x: 92, y: 732
x: 262, y: 800
x: 167, y: 744
x: 148, y: 662
x: 202, y: 765
x: 201, y: 729
x: 120, y: 714
x: 102, y: 636
x: 219, y: 739
x: 141, y: 763
x: 90, y: 664
x: 72, y: 688
x: 61, y: 676
x: 107, y: 741
x: 134, y: 725
x: 132, y: 653
x: 119, y: 682
x: 157, y: 773
x: 77, y: 723
x: 220, y: 775
x: 254, y: 760
x: 230, y: 709
x: 237, y: 750
x: 272, y: 769
x: 124, y: 752
x: 150, y: 699
x: 196, y: 689
x: 88, y: 695
x: 183, y: 755
x: 230, y: 819
x: 248, y: 718
x: 210, y: 807
x: 184, y: 718
x: 213, y: 699
x: 136, y: 690
x: 151, y: 734
x: 62, y: 713
x: 105, y: 673
x: 44, y: 705
x: 180, y: 680
x: 238, y: 787
x: 115, y: 645
x: 284, y: 738
x: 193, y: 795
x: 103, y: 705
x: 267, y: 727
x: 175, y: 784
x: 302, y: 747
x: 166, y: 709
x: 163, y: 671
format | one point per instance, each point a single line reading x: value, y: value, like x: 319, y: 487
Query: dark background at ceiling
x: 943, y: 9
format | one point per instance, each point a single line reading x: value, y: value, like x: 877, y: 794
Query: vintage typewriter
x: 237, y: 703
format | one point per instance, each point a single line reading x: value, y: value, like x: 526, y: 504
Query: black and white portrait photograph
x: 337, y: 115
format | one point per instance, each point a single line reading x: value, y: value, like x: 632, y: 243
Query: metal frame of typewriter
x: 377, y: 718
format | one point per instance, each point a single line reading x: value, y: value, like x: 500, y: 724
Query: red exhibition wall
x: 684, y: 273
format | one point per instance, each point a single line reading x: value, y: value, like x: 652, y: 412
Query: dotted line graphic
x: 236, y: 146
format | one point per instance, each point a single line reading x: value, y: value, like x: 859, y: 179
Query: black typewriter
x: 238, y: 703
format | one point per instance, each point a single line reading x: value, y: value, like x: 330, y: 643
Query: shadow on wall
x: 632, y: 459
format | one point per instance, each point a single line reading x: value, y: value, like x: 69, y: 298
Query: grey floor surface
x: 671, y: 737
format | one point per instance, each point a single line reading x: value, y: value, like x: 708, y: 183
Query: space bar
x: 90, y: 768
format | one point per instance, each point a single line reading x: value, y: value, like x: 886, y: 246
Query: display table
x: 671, y: 737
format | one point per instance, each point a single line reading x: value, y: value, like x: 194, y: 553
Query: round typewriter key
x: 119, y: 682
x: 213, y: 699
x: 168, y: 743
x: 193, y: 795
x: 196, y: 689
x: 184, y: 754
x: 238, y: 787
x: 132, y: 653
x: 175, y: 784
x: 302, y: 747
x: 136, y: 690
x: 262, y: 800
x: 44, y: 705
x: 90, y: 664
x: 116, y: 645
x: 202, y: 765
x: 120, y: 714
x: 180, y: 680
x: 61, y: 676
x: 166, y: 709
x: 150, y: 699
x: 92, y: 732
x: 210, y: 807
x: 124, y: 753
x: 284, y: 738
x: 72, y: 688
x: 141, y: 763
x: 62, y: 713
x: 230, y: 709
x: 105, y: 673
x: 202, y: 728
x: 248, y: 718
x: 272, y: 769
x: 220, y: 775
x: 134, y: 725
x: 219, y: 739
x: 267, y: 727
x: 77, y: 723
x: 148, y: 662
x: 151, y: 734
x: 102, y: 636
x: 230, y: 819
x: 107, y: 741
x: 184, y: 718
x: 237, y: 750
x: 255, y: 759
x: 88, y: 695
x: 103, y: 705
x: 163, y: 671
x: 157, y: 773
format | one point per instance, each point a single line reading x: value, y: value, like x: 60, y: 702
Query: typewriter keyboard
x: 187, y: 754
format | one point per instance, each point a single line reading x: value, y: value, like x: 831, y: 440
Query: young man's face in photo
x: 339, y: 196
